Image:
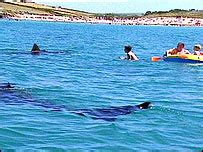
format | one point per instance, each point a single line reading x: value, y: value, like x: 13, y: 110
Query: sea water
x: 89, y: 74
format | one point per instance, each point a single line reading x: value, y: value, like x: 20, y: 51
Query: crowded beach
x: 29, y: 10
x: 167, y: 21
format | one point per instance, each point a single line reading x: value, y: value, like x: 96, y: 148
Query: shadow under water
x: 11, y: 95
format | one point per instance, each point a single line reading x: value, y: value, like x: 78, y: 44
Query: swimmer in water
x: 130, y: 54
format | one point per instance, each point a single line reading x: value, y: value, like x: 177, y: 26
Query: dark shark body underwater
x: 9, y: 95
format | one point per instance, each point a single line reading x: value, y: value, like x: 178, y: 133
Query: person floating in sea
x: 130, y: 54
x: 179, y: 50
x: 197, y: 49
x: 37, y: 51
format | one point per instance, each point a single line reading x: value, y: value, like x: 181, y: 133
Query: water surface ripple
x: 88, y: 75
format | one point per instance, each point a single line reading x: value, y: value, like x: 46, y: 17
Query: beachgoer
x: 35, y: 49
x: 130, y: 54
x: 179, y: 50
x: 197, y: 49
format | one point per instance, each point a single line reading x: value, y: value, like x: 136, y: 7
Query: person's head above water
x: 180, y: 46
x: 35, y: 49
x: 197, y: 47
x: 128, y: 48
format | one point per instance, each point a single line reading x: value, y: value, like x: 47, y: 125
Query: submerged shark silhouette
x: 37, y: 51
x: 11, y: 96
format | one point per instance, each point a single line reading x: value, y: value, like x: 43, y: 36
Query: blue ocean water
x: 89, y: 74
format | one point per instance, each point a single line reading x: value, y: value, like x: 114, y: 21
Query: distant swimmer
x: 179, y: 50
x: 37, y: 51
x: 197, y: 49
x: 130, y: 54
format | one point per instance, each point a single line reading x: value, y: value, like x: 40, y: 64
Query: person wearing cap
x: 130, y: 54
x: 197, y: 49
x: 179, y: 50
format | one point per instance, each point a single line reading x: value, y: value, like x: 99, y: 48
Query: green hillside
x: 192, y: 13
x: 33, y: 8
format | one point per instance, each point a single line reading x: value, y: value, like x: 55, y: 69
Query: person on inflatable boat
x: 130, y: 54
x: 179, y: 50
x: 197, y: 49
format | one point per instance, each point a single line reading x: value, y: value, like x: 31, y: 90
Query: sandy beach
x: 167, y: 21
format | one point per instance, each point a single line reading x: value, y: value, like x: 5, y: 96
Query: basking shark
x: 12, y: 96
x: 37, y: 51
x: 111, y: 113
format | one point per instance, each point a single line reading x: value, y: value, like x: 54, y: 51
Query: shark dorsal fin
x: 144, y: 105
x: 35, y: 48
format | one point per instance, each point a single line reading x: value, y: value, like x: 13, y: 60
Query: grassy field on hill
x: 11, y: 8
x: 34, y: 8
x: 175, y: 13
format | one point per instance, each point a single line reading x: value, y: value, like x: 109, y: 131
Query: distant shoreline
x: 41, y: 12
x: 165, y: 21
